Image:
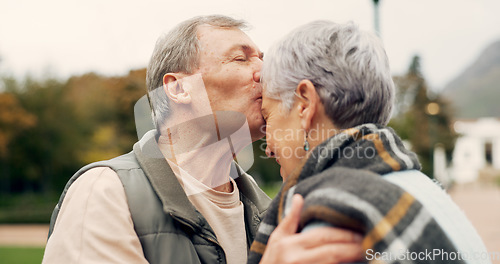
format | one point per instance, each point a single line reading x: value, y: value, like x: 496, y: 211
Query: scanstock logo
x: 198, y: 143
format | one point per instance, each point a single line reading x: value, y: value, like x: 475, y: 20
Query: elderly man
x: 178, y: 197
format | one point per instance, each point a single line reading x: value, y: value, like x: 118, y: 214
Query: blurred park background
x: 69, y: 81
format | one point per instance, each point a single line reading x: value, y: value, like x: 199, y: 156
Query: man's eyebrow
x: 246, y: 48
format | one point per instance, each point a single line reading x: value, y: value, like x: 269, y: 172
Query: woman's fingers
x: 333, y: 253
x: 327, y: 235
x: 290, y: 223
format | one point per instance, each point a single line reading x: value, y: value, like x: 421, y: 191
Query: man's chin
x: 257, y: 128
x: 257, y: 134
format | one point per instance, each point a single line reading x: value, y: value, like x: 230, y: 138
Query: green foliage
x: 82, y: 120
x: 416, y: 121
x: 13, y: 119
x: 21, y: 255
x: 47, y: 149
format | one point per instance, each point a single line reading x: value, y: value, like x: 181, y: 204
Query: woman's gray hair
x: 178, y: 52
x: 348, y: 67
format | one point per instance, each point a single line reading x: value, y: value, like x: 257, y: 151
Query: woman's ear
x: 172, y: 84
x: 308, y: 102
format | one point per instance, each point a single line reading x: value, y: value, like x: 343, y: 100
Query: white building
x: 477, y: 148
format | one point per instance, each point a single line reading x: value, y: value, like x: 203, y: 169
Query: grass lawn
x: 21, y: 255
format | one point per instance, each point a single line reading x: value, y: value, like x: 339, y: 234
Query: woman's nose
x: 269, y: 153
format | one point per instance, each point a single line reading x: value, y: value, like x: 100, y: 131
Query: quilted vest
x: 169, y: 228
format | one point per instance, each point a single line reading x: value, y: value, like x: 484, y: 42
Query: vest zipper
x: 203, y: 235
x: 191, y: 225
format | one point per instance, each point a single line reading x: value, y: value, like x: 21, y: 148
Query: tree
x: 105, y: 105
x: 84, y: 119
x: 422, y: 117
x: 45, y: 153
x: 14, y: 120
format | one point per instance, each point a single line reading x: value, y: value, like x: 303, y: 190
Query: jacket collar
x: 164, y: 182
x: 172, y: 195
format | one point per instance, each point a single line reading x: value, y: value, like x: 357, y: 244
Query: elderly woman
x: 327, y: 99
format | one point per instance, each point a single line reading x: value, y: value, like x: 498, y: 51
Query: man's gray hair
x: 348, y: 67
x: 178, y: 52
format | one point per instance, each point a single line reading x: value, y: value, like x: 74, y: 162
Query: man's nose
x: 256, y: 74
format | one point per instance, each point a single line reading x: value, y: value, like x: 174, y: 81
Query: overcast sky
x: 68, y: 37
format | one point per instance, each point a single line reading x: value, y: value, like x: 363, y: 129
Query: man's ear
x: 308, y: 102
x: 172, y: 84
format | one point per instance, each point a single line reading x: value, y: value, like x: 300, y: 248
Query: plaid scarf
x: 341, y: 184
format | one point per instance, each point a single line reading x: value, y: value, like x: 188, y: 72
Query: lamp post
x: 376, y: 17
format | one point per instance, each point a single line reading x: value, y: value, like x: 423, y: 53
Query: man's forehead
x: 229, y: 39
x: 210, y: 32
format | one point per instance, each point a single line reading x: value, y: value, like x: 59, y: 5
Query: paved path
x: 23, y: 235
x: 481, y: 204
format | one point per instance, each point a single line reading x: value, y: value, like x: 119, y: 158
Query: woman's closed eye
x: 240, y: 58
